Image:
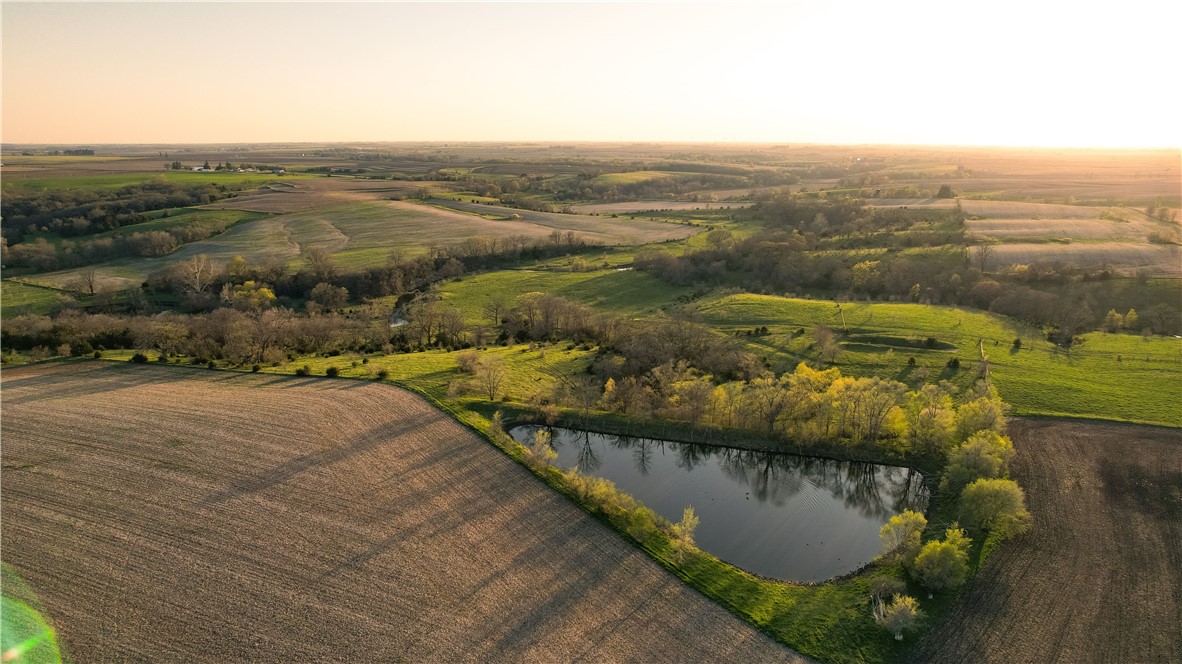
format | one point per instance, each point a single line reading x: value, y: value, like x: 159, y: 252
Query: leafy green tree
x: 900, y: 615
x: 986, y: 412
x: 992, y: 504
x: 902, y: 534
x: 944, y: 565
x: 683, y: 533
x: 986, y: 454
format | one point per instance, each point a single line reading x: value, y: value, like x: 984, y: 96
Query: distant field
x: 361, y: 234
x: 1107, y: 523
x: 319, y: 192
x: 340, y: 520
x: 1108, y: 376
x: 620, y: 291
x: 611, y: 231
x: 1085, y: 236
x: 630, y: 177
x: 646, y: 206
x: 12, y: 185
x: 1158, y: 260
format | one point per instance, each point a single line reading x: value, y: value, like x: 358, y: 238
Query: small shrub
x: 1017, y: 342
x: 911, y: 361
x: 332, y: 372
x: 930, y: 342
x: 953, y: 364
x: 139, y: 358
x: 98, y: 354
x: 304, y: 371
x: 254, y: 368
x: 383, y: 374
x: 468, y: 361
x: 212, y: 364
x: 365, y: 361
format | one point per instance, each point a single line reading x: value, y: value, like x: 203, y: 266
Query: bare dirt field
x: 1158, y: 260
x: 1099, y: 578
x: 167, y: 514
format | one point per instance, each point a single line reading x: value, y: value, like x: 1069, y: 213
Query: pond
x: 782, y: 516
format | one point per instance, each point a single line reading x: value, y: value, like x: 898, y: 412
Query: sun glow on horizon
x: 918, y: 73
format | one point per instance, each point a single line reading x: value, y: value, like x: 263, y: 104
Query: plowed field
x: 183, y: 515
x: 1099, y: 578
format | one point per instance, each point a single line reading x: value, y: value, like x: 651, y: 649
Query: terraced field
x: 608, y: 230
x: 326, y: 521
x: 1097, y: 578
x: 361, y: 233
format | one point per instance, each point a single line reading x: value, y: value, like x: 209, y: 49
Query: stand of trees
x: 75, y: 212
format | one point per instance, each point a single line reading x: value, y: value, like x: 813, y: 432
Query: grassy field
x: 1104, y: 498
x: 17, y: 298
x: 605, y: 229
x: 620, y: 291
x: 1108, y: 376
x: 16, y: 185
x: 629, y: 177
x: 340, y: 520
x: 361, y: 234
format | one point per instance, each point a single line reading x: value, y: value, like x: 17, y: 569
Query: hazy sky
x: 988, y: 73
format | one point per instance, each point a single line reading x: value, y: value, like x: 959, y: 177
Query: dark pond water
x: 777, y: 515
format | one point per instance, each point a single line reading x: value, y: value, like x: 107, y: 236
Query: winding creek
x: 777, y: 515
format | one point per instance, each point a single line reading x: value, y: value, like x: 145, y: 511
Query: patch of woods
x: 41, y: 255
x: 843, y: 250
x: 241, y: 312
x: 76, y: 212
x: 989, y: 506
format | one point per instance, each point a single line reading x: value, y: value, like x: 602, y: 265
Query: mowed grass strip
x: 1107, y: 376
x: 325, y: 520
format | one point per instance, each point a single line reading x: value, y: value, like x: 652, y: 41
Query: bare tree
x: 197, y: 273
x: 495, y: 309
x: 982, y: 255
x: 87, y: 281
x: 490, y: 375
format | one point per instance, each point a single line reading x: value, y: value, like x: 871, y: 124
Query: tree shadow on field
x: 72, y: 380
x: 462, y: 466
x: 1152, y: 492
x: 359, y: 444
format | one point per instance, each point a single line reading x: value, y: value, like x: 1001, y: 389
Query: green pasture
x: 1105, y: 376
x: 14, y: 186
x: 620, y: 291
x: 630, y: 177
x: 17, y: 298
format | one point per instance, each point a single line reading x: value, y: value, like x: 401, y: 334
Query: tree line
x: 75, y: 212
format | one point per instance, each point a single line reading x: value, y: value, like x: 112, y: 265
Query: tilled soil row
x: 181, y: 515
x: 1099, y: 577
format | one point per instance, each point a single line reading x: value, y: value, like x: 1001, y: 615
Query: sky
x: 1032, y: 73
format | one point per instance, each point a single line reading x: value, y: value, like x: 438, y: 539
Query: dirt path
x: 184, y: 515
x: 1099, y: 578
